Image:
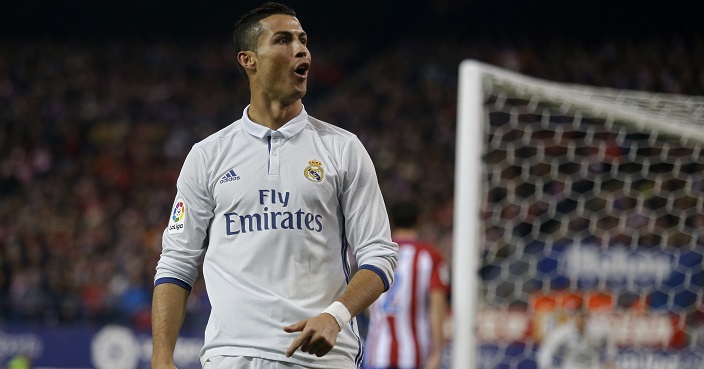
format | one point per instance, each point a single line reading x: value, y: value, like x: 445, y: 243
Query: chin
x: 297, y: 95
x: 302, y: 90
x: 290, y: 100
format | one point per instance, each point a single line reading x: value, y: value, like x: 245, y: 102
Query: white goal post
x: 655, y: 137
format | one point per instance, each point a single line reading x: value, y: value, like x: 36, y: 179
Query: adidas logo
x: 230, y: 176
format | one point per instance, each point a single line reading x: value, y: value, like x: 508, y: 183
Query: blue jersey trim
x: 359, y: 358
x: 346, y: 263
x: 268, y: 165
x: 175, y: 281
x: 380, y: 273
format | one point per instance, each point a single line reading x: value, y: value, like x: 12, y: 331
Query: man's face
x: 283, y: 59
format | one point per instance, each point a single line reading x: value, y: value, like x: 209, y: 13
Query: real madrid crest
x: 314, y: 171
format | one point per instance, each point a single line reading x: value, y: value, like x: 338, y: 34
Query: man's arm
x: 168, y: 312
x: 369, y: 234
x: 319, y: 334
x: 438, y: 307
x: 364, y: 288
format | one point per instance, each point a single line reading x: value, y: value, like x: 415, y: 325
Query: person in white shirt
x: 576, y: 345
x: 281, y: 209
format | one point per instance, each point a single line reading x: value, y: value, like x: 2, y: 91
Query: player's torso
x: 277, y: 213
x: 272, y: 176
x: 274, y: 239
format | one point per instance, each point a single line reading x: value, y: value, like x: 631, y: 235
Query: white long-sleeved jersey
x: 278, y: 215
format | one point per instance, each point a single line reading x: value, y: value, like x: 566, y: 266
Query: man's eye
x: 283, y: 40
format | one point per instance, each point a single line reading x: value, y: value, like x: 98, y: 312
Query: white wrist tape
x: 339, y: 312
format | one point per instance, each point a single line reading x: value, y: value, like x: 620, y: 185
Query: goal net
x: 575, y: 202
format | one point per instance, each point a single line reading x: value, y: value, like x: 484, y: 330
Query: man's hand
x: 318, y: 335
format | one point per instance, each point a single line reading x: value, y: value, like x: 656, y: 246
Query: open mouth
x: 302, y: 70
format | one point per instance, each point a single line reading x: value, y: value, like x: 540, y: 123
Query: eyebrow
x: 289, y: 33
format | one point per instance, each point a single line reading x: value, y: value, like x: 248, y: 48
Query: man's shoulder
x: 225, y: 133
x: 325, y: 128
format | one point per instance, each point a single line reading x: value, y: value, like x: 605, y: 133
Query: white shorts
x: 244, y: 362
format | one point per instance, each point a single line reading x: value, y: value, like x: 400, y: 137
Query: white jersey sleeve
x: 184, y: 239
x: 366, y: 220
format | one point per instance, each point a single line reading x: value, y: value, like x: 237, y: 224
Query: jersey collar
x: 288, y: 130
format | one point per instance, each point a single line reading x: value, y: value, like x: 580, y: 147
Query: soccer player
x: 406, y: 322
x: 574, y: 346
x: 275, y: 205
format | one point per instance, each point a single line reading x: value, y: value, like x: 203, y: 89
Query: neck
x: 273, y: 114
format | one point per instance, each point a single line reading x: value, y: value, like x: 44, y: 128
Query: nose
x: 301, y: 50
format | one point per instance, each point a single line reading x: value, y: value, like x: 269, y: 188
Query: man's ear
x: 247, y: 59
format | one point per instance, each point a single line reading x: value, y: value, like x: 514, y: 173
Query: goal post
x: 570, y: 195
x: 466, y: 230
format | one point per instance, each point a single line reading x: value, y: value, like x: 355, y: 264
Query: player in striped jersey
x: 405, y: 327
x: 274, y: 205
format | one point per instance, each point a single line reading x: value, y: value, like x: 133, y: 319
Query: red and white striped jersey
x: 399, y: 327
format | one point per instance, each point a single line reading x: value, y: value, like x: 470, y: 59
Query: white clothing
x: 277, y: 216
x: 243, y: 362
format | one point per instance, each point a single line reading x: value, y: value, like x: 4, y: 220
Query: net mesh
x: 592, y: 201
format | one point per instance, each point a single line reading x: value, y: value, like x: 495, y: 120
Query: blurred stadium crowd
x: 92, y: 136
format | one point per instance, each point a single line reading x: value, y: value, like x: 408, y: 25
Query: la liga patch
x: 177, y: 220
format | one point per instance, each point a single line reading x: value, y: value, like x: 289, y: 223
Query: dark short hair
x: 404, y: 214
x: 247, y: 28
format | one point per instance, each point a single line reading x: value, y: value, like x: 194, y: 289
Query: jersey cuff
x: 379, y: 272
x: 175, y: 281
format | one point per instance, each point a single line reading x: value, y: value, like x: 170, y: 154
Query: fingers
x: 317, y: 347
x: 317, y: 337
x: 306, y: 343
x: 295, y: 327
x: 322, y: 350
x: 300, y: 340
